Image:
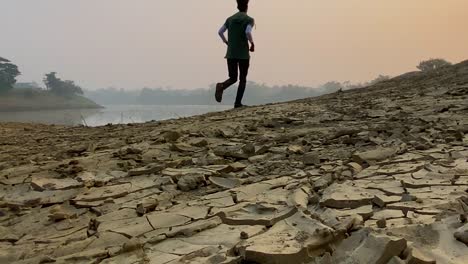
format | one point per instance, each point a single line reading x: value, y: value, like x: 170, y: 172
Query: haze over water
x: 133, y: 44
x: 111, y: 114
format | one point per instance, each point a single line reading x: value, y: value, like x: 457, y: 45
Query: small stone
x: 324, y: 233
x: 311, y: 158
x: 295, y: 149
x: 236, y: 152
x: 59, y: 213
x: 355, y: 167
x: 200, y: 143
x: 341, y: 196
x: 156, y: 239
x: 249, y: 149
x: 382, y: 223
x: 418, y: 257
x: 182, y: 147
x: 109, y: 200
x: 77, y: 150
x: 244, y: 235
x: 463, y: 218
x: 87, y: 178
x: 190, y: 182
x: 347, y: 174
x: 131, y: 151
x: 46, y: 259
x: 114, y: 251
x: 462, y: 234
x: 408, y: 198
x: 42, y: 184
x: 262, y: 150
x: 396, y: 260
x: 405, y: 212
x: 150, y: 169
x: 372, y: 156
x: 132, y: 245
x: 237, y: 166
x: 226, y: 183
x: 314, y: 199
x: 6, y: 235
x: 225, y: 132
x: 140, y: 209
x: 171, y: 136
x: 382, y: 200
x: 148, y: 205
x: 93, y: 227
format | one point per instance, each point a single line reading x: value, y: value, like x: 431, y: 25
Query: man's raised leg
x: 220, y: 87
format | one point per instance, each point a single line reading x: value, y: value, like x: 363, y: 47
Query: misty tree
x: 432, y: 64
x: 8, y: 74
x: 61, y: 87
x: 347, y: 85
x: 380, y: 78
x: 332, y: 86
x: 27, y: 85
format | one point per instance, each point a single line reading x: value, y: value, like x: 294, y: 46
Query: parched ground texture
x: 373, y: 175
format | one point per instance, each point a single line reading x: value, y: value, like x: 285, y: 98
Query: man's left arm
x: 248, y: 32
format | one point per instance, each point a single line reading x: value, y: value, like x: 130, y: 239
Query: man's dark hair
x: 243, y: 5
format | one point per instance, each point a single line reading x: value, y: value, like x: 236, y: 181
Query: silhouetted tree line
x: 59, y: 87
x: 432, y: 64
x: 8, y: 74
x: 256, y: 93
x: 55, y: 85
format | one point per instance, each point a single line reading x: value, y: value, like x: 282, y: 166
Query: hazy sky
x: 131, y: 44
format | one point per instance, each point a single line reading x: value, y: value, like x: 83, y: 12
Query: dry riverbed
x: 375, y: 175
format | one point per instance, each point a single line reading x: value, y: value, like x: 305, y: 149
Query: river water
x: 111, y: 114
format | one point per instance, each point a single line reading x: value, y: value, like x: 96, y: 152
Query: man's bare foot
x: 219, y: 92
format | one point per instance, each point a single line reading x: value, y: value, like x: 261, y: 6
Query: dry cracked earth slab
x: 374, y: 175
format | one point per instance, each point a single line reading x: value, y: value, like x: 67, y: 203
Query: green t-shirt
x: 238, y: 45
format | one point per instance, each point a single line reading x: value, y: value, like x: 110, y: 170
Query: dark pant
x: 243, y: 66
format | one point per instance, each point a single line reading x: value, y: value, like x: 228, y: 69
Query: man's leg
x: 220, y: 87
x: 232, y: 68
x: 244, y: 71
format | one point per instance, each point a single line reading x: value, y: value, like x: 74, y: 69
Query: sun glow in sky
x: 153, y: 43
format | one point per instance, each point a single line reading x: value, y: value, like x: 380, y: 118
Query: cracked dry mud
x: 374, y: 175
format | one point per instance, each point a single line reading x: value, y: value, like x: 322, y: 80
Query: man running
x: 239, y: 27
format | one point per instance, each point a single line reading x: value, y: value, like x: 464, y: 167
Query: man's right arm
x: 248, y: 33
x: 221, y: 32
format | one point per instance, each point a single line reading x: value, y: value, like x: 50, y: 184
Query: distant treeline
x: 255, y: 94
